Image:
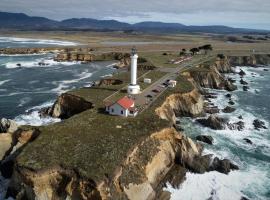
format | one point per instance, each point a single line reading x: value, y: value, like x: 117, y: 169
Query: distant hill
x: 24, y: 22
x: 93, y: 24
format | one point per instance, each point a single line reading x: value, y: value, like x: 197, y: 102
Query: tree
x: 206, y: 48
x: 194, y: 50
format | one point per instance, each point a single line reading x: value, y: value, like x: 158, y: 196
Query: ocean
x: 26, y: 87
x: 253, y: 179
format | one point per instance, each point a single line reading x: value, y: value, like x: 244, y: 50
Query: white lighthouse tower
x: 133, y: 88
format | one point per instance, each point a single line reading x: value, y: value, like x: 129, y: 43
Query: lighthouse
x: 133, y: 88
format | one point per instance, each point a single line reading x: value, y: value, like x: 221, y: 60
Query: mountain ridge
x: 22, y: 21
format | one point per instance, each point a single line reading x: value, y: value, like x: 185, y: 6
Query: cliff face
x: 252, y: 60
x: 137, y: 178
x: 211, y: 76
x: 187, y: 104
x: 223, y: 65
x: 141, y: 173
x: 68, y: 105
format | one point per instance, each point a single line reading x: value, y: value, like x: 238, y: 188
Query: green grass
x: 160, y: 60
x: 90, y: 142
x: 153, y: 75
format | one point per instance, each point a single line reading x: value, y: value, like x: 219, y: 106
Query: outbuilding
x: 172, y: 83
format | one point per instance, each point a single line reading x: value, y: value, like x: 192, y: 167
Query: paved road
x: 142, y: 101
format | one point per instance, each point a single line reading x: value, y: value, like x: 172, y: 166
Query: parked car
x: 156, y: 91
x: 149, y: 96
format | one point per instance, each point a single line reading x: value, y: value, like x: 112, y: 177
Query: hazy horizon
x: 239, y: 13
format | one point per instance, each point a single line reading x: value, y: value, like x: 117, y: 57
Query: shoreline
x: 219, y: 185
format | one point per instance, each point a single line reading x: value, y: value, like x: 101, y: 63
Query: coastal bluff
x: 91, y: 155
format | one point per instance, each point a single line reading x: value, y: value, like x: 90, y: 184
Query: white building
x: 147, y: 80
x: 133, y: 87
x: 172, y: 83
x: 123, y: 107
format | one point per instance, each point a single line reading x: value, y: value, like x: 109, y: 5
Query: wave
x: 33, y: 118
x: 217, y: 186
x: 37, y: 63
x: 64, y: 85
x: 3, y: 82
x: 251, y: 180
x: 36, y: 41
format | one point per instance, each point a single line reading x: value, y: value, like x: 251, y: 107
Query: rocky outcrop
x: 170, y: 147
x: 228, y: 109
x: 110, y: 81
x: 258, y: 124
x: 12, y: 51
x: 123, y: 58
x: 249, y: 60
x: 189, y: 104
x: 5, y: 144
x: 8, y: 126
x: 205, y: 138
x: 68, y: 105
x: 223, y: 65
x: 210, y: 78
x: 12, y: 146
x: 214, y: 122
x: 218, y: 123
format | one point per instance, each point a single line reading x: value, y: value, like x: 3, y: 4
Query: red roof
x: 125, y: 102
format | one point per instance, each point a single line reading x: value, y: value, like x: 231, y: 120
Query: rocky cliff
x: 67, y: 105
x: 250, y: 60
x: 189, y: 104
x: 210, y: 78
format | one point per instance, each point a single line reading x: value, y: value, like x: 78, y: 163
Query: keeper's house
x: 123, y: 107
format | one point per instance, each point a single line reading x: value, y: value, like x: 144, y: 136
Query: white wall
x: 117, y: 110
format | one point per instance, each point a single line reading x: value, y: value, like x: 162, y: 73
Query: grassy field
x: 122, y: 42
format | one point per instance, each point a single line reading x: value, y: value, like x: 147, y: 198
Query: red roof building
x: 123, y: 107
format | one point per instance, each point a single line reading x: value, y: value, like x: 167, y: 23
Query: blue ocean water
x: 25, y: 86
x: 253, y: 178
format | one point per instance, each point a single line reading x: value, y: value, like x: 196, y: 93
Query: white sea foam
x: 36, y: 41
x: 3, y: 82
x: 220, y: 186
x: 252, y: 179
x: 37, y: 63
x: 33, y: 117
x: 64, y: 85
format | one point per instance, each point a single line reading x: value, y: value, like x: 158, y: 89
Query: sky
x: 235, y: 13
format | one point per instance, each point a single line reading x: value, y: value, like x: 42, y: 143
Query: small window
x: 131, y: 112
x: 112, y: 110
x: 122, y: 112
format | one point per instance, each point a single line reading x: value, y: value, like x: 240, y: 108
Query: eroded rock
x: 258, y: 124
x: 248, y: 141
x: 205, y: 138
x: 214, y: 122
x: 228, y: 109
x: 68, y: 105
x: 8, y: 126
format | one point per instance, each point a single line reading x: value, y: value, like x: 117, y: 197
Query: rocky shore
x: 151, y: 160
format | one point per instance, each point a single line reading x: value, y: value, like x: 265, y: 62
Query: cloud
x: 189, y: 12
